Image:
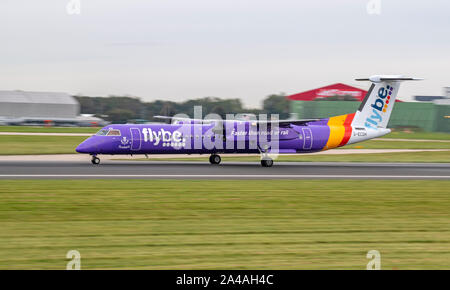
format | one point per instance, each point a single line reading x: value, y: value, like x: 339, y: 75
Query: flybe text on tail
x: 379, y: 107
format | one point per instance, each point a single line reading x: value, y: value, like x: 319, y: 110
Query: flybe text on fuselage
x: 161, y: 136
x: 379, y: 107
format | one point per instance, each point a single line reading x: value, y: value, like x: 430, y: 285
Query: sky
x: 181, y: 49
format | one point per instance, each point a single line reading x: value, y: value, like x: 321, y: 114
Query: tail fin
x: 376, y: 108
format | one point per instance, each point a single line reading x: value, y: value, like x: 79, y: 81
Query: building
x: 428, y: 98
x: 331, y: 91
x: 330, y: 101
x: 39, y: 108
x: 434, y: 99
x: 20, y: 104
x: 335, y: 92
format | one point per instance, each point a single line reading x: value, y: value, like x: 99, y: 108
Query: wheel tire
x: 215, y: 159
x: 267, y: 162
x: 95, y: 160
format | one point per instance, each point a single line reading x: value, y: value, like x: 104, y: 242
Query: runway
x: 226, y: 170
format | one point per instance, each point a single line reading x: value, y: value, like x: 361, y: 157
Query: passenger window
x: 102, y: 132
x: 114, y: 133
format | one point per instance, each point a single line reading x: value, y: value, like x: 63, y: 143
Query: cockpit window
x: 113, y: 133
x: 102, y: 132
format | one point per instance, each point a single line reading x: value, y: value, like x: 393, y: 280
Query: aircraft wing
x: 285, y: 122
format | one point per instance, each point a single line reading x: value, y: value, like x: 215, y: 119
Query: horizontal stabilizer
x: 387, y: 78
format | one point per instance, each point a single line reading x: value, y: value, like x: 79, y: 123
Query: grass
x: 385, y: 144
x: 23, y: 145
x: 418, y: 135
x: 218, y: 224
x: 41, y: 129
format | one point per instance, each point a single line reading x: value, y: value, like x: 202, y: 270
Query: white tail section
x: 376, y: 108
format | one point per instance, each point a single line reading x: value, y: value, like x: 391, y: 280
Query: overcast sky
x: 180, y: 49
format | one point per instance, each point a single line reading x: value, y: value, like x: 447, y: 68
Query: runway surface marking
x: 227, y: 170
x: 219, y: 176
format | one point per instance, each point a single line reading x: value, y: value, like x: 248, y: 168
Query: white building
x: 20, y: 104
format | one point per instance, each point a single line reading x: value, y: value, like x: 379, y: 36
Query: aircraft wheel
x: 95, y: 160
x: 214, y: 159
x: 267, y: 163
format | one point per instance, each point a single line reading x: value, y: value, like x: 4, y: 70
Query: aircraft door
x: 307, y: 138
x: 135, y: 139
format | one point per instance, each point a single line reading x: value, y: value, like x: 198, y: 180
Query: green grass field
x: 418, y: 135
x: 23, y: 145
x: 251, y: 224
x: 41, y: 129
x: 385, y: 144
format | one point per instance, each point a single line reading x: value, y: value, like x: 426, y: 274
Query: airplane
x: 265, y: 137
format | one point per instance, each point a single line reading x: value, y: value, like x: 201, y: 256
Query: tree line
x: 122, y: 109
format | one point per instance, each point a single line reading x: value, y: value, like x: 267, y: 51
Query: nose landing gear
x: 95, y: 160
x: 214, y: 159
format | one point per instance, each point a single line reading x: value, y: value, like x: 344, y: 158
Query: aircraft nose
x: 86, y: 146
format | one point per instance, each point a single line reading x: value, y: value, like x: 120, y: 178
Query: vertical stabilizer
x: 376, y: 108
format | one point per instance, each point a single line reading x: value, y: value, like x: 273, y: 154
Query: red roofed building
x: 338, y: 89
x: 335, y: 90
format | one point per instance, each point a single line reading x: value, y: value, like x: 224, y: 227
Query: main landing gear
x: 267, y: 162
x: 214, y: 159
x: 95, y: 160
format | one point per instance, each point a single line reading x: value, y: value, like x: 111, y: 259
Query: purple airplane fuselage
x: 240, y: 137
x: 234, y: 137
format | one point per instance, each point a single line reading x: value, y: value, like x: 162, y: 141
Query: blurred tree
x: 101, y: 105
x: 219, y: 110
x: 168, y: 109
x: 119, y: 116
x: 277, y: 104
x: 123, y: 108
